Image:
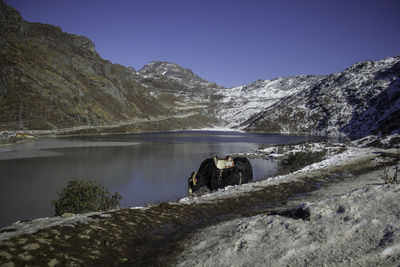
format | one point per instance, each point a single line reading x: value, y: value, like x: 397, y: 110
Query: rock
x: 67, y: 215
x: 52, y: 263
x: 25, y: 256
x: 32, y: 246
x: 6, y: 255
x: 84, y: 236
x: 22, y: 241
x: 8, y: 264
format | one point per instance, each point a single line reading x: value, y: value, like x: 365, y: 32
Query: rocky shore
x: 353, y: 220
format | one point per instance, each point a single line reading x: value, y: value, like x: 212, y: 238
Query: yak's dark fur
x: 209, y: 175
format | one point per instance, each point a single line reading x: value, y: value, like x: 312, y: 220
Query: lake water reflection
x: 143, y: 168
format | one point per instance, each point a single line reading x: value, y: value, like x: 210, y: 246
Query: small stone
x: 6, y: 255
x: 25, y: 256
x: 22, y: 241
x: 96, y: 252
x: 96, y: 227
x: 84, y: 236
x: 67, y: 215
x: 8, y: 264
x: 52, y: 263
x: 43, y: 241
x: 32, y: 246
x: 55, y: 232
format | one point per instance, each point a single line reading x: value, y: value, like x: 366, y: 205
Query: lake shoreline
x: 169, y: 225
x: 9, y: 137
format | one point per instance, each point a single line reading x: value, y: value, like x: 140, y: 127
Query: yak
x: 215, y: 173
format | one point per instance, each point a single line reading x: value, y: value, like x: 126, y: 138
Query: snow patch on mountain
x: 159, y: 70
x: 241, y: 102
x: 363, y: 99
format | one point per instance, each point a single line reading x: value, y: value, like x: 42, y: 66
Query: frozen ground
x: 353, y: 223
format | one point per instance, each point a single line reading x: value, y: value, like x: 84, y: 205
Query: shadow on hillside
x: 382, y: 115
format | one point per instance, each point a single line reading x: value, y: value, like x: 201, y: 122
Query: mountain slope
x: 174, y: 73
x: 51, y: 80
x: 238, y: 104
x: 363, y: 99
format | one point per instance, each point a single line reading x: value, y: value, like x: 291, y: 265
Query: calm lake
x: 143, y: 168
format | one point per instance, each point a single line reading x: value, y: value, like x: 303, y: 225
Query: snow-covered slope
x: 362, y: 100
x: 240, y: 103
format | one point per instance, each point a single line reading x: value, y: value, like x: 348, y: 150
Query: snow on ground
x: 351, y: 155
x: 355, y: 223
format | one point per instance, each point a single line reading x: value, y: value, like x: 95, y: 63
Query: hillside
x: 363, y: 99
x: 242, y: 102
x: 51, y: 80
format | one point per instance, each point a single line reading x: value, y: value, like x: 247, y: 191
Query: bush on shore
x: 80, y: 196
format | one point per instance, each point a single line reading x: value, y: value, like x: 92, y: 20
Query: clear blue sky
x: 230, y: 42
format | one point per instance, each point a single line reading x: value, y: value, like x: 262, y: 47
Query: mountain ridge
x: 71, y: 85
x: 52, y: 80
x: 363, y: 99
x: 176, y: 72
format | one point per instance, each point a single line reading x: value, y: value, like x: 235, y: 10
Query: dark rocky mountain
x: 52, y: 80
x: 362, y: 100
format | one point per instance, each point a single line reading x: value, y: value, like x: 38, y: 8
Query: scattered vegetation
x: 296, y: 161
x: 81, y: 196
x: 376, y: 143
x: 394, y: 141
x: 394, y: 178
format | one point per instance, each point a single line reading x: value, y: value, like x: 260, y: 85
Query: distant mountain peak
x: 173, y: 71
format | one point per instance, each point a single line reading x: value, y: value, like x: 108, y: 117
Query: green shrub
x: 81, y: 196
x: 296, y: 161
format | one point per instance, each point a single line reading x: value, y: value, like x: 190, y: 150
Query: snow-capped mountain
x: 242, y: 102
x: 158, y: 70
x: 363, y: 99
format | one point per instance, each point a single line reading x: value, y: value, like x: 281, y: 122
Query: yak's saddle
x: 224, y: 163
